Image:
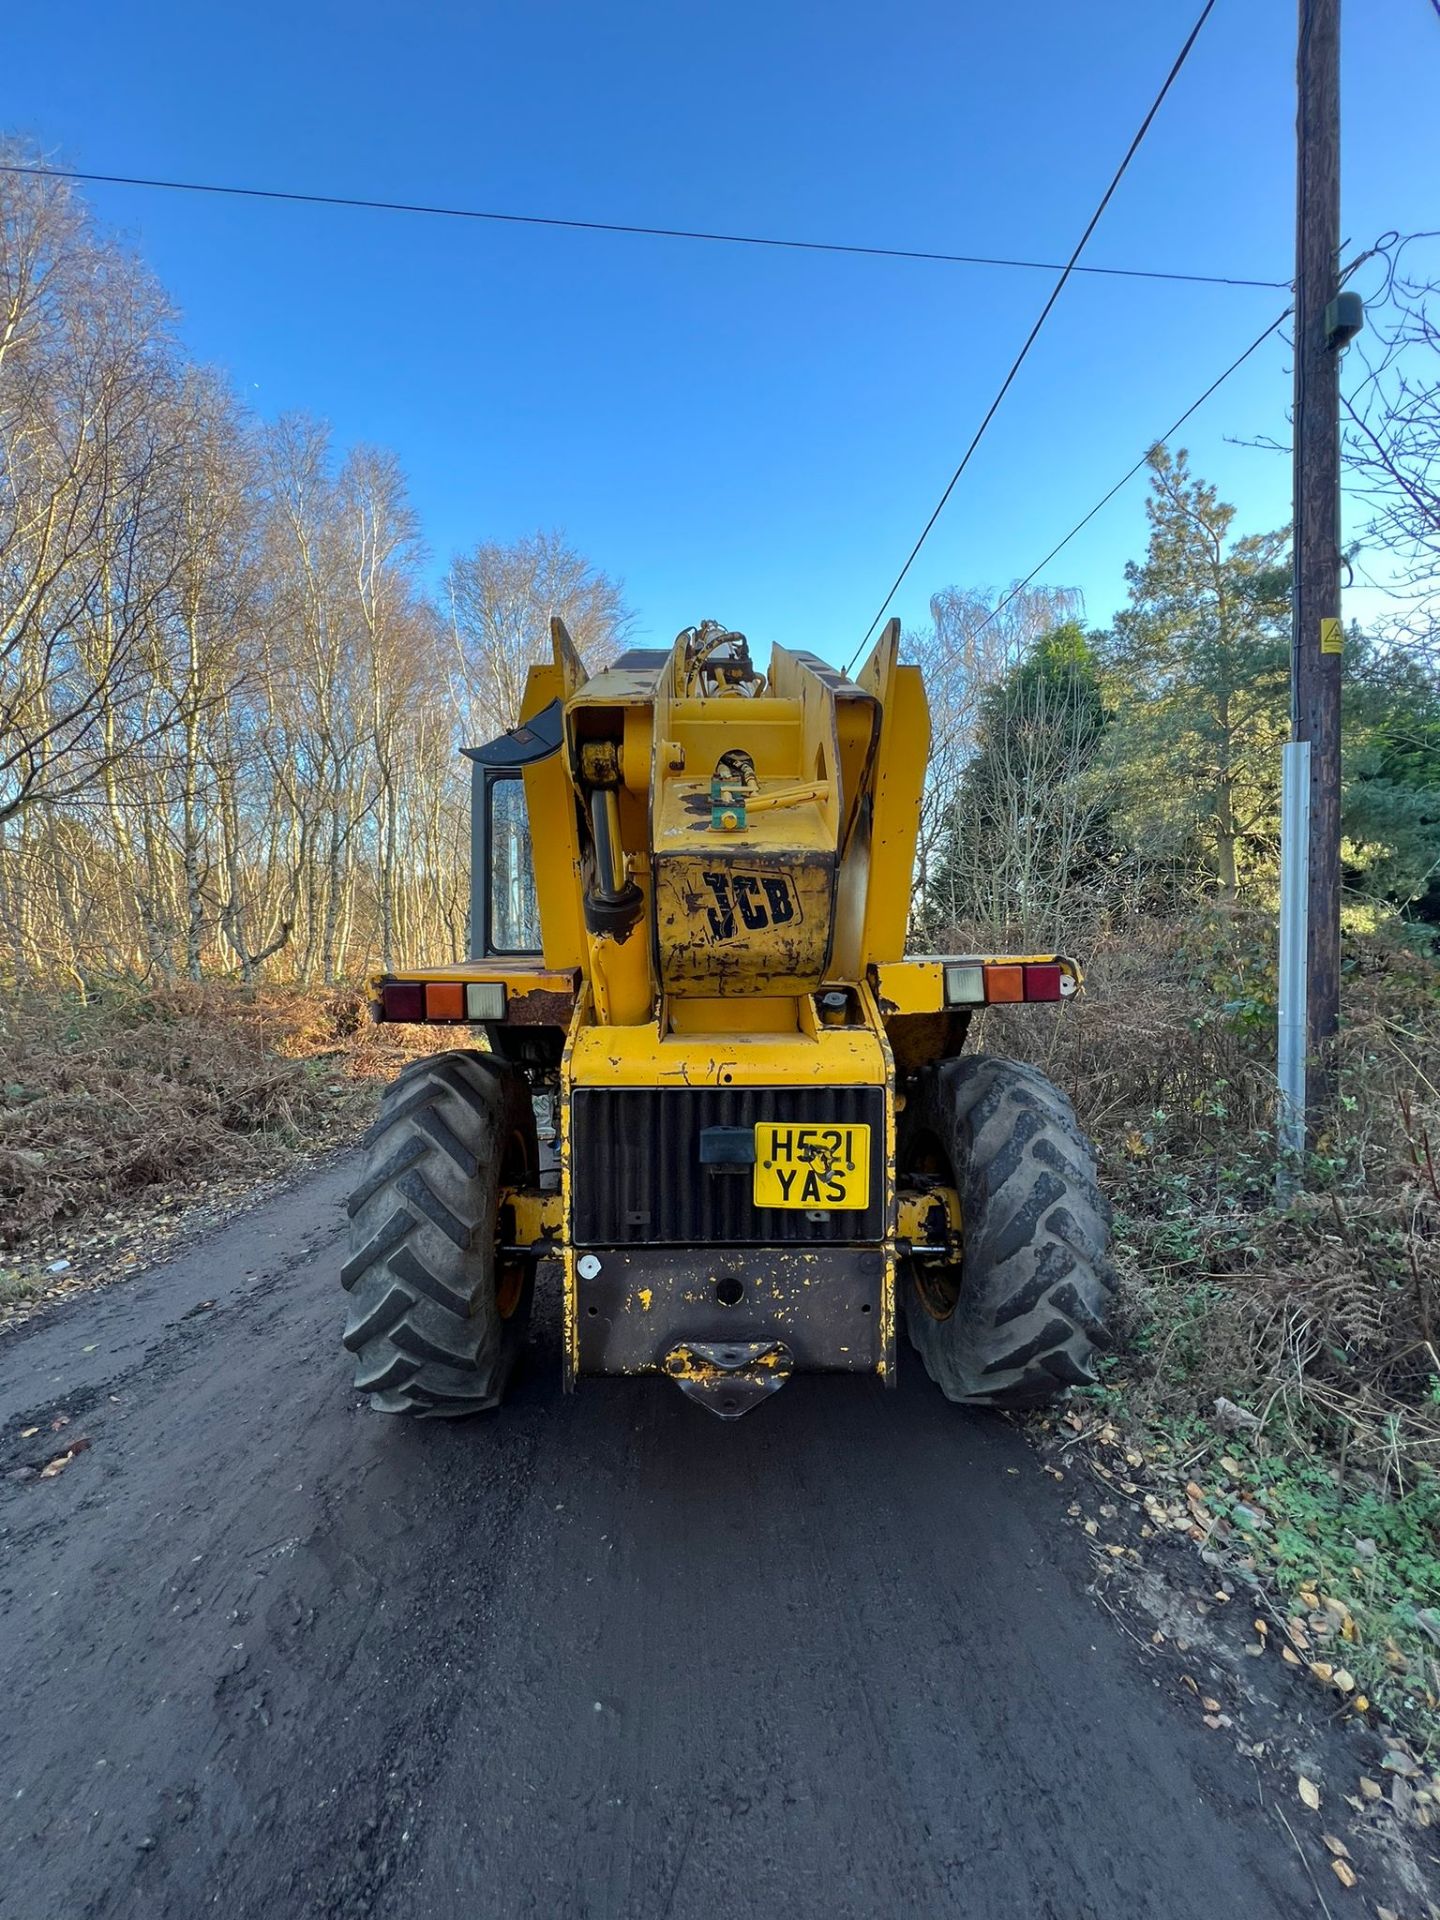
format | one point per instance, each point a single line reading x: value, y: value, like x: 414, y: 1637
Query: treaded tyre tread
x: 423, y: 1315
x: 1036, y: 1279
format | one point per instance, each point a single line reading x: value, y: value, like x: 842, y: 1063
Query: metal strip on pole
x: 1294, y: 958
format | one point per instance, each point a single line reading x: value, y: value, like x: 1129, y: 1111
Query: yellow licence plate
x: 812, y: 1166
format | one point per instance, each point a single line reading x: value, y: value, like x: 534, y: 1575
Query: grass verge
x: 119, y: 1111
x: 1279, y: 1345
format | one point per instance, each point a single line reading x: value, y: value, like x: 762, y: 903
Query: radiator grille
x: 637, y: 1178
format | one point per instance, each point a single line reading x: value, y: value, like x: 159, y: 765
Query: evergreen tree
x: 1200, y: 665
x: 1390, y: 804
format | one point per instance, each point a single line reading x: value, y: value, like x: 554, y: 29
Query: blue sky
x: 747, y: 435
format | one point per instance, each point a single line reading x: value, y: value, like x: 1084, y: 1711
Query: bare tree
x: 975, y: 638
x: 87, y: 525
x: 500, y: 601
x: 1392, y: 449
x: 230, y: 710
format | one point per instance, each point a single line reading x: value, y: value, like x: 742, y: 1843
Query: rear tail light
x: 442, y: 1000
x: 1044, y: 983
x: 403, y: 999
x: 1002, y: 983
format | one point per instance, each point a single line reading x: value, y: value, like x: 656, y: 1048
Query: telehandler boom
x: 691, y: 889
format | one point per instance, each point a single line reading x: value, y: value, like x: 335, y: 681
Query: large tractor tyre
x: 437, y: 1315
x: 1018, y: 1319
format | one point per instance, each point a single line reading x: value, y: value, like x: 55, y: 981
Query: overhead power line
x: 617, y: 226
x: 1129, y: 474
x: 1069, y: 268
x: 1387, y: 246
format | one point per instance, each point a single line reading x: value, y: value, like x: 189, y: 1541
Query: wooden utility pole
x: 1316, y: 638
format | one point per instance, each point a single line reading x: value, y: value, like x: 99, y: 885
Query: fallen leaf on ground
x: 1289, y: 1656
x: 1309, y: 1793
x: 1343, y: 1679
x: 1230, y: 1465
x: 62, y: 1460
x: 1343, y: 1872
x: 1337, y: 1847
x: 28, y: 1433
x: 1210, y: 1706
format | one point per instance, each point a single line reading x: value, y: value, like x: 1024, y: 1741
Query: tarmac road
x: 265, y: 1653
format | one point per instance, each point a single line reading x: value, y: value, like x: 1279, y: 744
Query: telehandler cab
x: 690, y: 891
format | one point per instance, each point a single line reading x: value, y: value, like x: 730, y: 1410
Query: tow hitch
x: 729, y: 1377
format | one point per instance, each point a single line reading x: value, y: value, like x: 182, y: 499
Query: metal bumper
x: 636, y: 1305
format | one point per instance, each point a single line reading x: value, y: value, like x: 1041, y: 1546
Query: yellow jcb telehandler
x: 690, y: 891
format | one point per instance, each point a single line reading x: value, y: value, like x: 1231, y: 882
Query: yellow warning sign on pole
x: 1331, y: 637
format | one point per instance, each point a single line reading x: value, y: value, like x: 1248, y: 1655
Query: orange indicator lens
x: 1004, y: 986
x: 444, y: 1000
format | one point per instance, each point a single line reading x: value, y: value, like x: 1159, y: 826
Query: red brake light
x: 1043, y: 983
x: 403, y: 999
